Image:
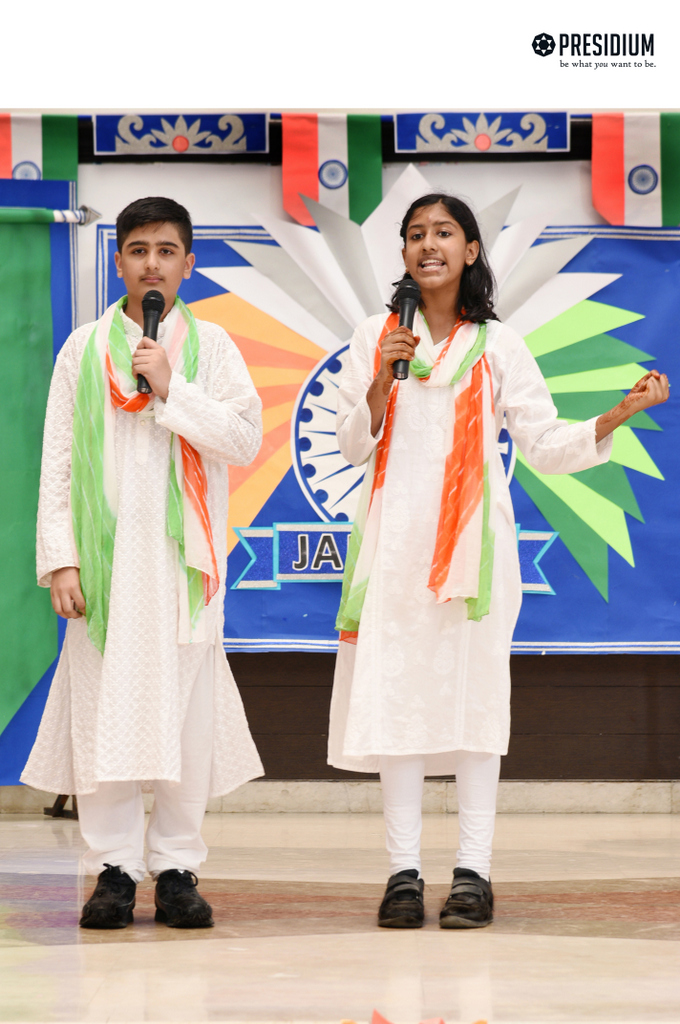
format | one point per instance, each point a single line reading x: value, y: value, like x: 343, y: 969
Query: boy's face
x: 153, y: 257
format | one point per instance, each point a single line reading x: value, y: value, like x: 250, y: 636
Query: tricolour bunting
x: 335, y: 159
x: 35, y: 146
x: 636, y: 168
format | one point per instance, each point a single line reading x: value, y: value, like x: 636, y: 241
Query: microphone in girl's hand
x: 408, y: 297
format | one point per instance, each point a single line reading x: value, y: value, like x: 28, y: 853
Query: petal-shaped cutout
x: 346, y: 242
x: 577, y: 321
x: 310, y: 251
x: 256, y: 289
x: 275, y: 263
x: 560, y: 294
x: 605, y: 518
x: 538, y: 265
x: 492, y: 218
x: 381, y: 229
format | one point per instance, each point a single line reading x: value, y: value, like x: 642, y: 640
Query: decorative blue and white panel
x: 180, y: 134
x: 482, y: 132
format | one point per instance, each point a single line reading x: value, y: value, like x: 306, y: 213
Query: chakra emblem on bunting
x: 442, y: 132
x: 26, y: 171
x: 643, y: 179
x: 177, y: 134
x: 333, y: 174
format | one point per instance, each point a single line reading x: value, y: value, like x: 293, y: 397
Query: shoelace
x: 112, y: 880
x: 181, y: 882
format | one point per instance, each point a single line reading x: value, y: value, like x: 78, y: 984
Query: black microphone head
x: 153, y: 302
x: 408, y: 289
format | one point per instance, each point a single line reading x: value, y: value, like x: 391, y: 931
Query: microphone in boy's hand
x: 153, y: 305
x: 408, y: 297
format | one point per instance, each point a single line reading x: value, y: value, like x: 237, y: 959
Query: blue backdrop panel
x: 562, y: 610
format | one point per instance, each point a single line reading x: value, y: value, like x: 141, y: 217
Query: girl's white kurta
x: 423, y: 678
x: 119, y: 717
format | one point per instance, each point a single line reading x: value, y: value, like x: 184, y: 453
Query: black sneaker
x: 111, y: 903
x: 470, y: 902
x: 402, y: 905
x: 178, y: 904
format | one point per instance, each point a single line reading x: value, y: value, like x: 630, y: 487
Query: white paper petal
x: 254, y: 287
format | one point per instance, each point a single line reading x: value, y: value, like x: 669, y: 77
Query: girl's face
x: 436, y: 250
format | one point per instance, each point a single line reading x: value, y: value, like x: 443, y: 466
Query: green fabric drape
x: 28, y: 628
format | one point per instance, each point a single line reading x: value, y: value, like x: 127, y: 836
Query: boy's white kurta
x: 423, y: 678
x: 119, y: 717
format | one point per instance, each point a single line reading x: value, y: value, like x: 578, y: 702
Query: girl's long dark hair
x: 477, y: 283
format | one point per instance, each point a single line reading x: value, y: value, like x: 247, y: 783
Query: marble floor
x: 587, y: 927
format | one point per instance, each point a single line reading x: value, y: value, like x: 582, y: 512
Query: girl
x: 432, y: 585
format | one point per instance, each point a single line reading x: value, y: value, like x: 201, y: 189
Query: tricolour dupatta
x: 462, y: 563
x: 106, y: 383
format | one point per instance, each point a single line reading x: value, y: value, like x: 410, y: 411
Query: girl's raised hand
x: 652, y: 389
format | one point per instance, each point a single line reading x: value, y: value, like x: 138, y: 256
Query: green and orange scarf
x: 106, y: 383
x: 462, y: 564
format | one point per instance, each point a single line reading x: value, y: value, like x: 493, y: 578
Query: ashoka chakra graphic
x: 27, y: 171
x: 643, y: 179
x: 329, y: 483
x: 333, y: 174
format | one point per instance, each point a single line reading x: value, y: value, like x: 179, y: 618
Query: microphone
x: 408, y: 297
x: 153, y: 305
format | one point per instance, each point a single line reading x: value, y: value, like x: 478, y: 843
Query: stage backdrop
x: 596, y: 305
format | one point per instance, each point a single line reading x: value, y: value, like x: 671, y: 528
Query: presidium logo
x: 595, y: 44
x: 543, y: 44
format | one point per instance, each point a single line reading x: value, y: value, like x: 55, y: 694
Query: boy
x: 132, y: 526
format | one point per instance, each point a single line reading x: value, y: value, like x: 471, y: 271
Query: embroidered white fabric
x: 120, y: 717
x: 423, y: 678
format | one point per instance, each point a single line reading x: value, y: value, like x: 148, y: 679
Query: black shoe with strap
x: 111, y: 903
x: 470, y: 902
x: 402, y: 905
x: 178, y: 903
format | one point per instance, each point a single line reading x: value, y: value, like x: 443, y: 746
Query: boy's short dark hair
x: 154, y: 210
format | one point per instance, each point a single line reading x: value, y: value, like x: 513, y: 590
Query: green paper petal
x: 589, y: 550
x: 584, y: 320
x: 605, y: 518
x: 584, y: 405
x: 591, y: 354
x: 609, y: 379
x: 629, y: 451
x: 611, y: 482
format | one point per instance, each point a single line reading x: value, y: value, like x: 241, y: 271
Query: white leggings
x: 402, y: 786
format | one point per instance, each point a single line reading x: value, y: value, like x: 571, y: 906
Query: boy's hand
x: 67, y: 597
x: 151, y: 361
